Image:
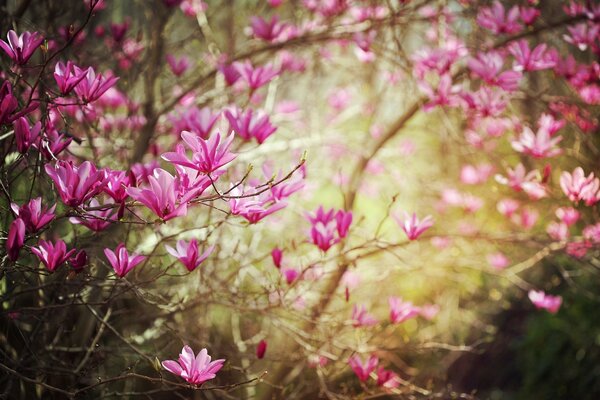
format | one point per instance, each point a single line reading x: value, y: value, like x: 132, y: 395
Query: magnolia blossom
x: 412, y: 226
x: 497, y: 20
x: 15, y: 239
x: 67, y: 76
x: 250, y: 124
x: 277, y: 256
x: 52, y: 255
x: 21, y: 48
x: 195, y: 369
x: 121, y: 261
x: 255, y: 77
x: 161, y: 196
x: 76, y: 184
x: 208, y: 155
x: 363, y: 369
x: 538, y: 145
x: 178, y: 66
x: 361, y: 317
x: 261, y: 349
x: 188, y: 253
x: 401, y: 311
x: 568, y: 215
x: 33, y: 214
x: 329, y: 227
x: 531, y: 60
x: 96, y: 217
x: 26, y: 136
x: 545, y: 301
x: 388, y: 379
x: 93, y: 85
x: 579, y: 187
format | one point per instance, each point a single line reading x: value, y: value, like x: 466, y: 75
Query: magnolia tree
x: 286, y: 199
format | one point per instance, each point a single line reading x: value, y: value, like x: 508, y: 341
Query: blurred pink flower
x: 208, y: 155
x: 498, y: 261
x: 401, y: 311
x: 412, y: 226
x: 579, y: 187
x: 250, y: 124
x: 363, y: 369
x: 545, y: 301
x: 531, y: 60
x: 178, y: 66
x: 497, y: 20
x: 568, y: 215
x: 261, y: 349
x: 361, y: 317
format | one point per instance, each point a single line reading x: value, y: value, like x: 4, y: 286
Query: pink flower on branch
x: 363, y: 369
x: 328, y: 228
x: 412, y: 226
x: 76, y: 184
x: 33, y: 214
x: 20, y: 48
x: 208, y: 155
x: 162, y: 195
x: 93, y: 85
x: 361, y: 317
x: 578, y: 187
x: 15, y: 239
x: 250, y: 124
x: 195, y: 369
x: 67, y: 76
x: 545, y: 301
x: 401, y: 310
x: 531, y: 60
x: 121, y: 261
x: 188, y: 254
x: 26, y: 136
x: 52, y: 255
x: 255, y: 77
x: 498, y: 21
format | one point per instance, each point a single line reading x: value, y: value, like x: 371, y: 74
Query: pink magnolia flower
x: 401, y: 311
x: 96, y: 218
x: 230, y: 73
x: 488, y: 66
x: 52, y: 255
x: 529, y: 14
x: 545, y: 301
x: 277, y: 256
x: 117, y: 183
x: 67, y: 76
x: 497, y: 20
x: 256, y: 77
x: 527, y: 218
x: 498, y: 261
x: 195, y: 369
x: 121, y: 261
x: 208, y: 155
x: 412, y: 226
x: 558, y: 231
x: 53, y: 142
x: 253, y: 208
x: 78, y: 261
x: 33, y: 214
x: 592, y: 233
x: 582, y: 35
x: 9, y: 105
x: 196, y: 120
x: 76, y: 184
x: 446, y: 94
x: 92, y: 86
x: 188, y: 253
x: 531, y: 60
x: 429, y: 311
x: 250, y: 124
x: 388, y: 379
x: 507, y: 207
x: 290, y: 275
x: 21, y: 48
x: 521, y: 180
x: 178, y: 66
x: 537, y: 145
x: 361, y: 317
x: 25, y: 136
x: 363, y: 369
x: 261, y: 349
x: 161, y: 196
x: 15, y: 239
x: 475, y: 174
x: 328, y: 228
x: 568, y: 215
x: 268, y: 30
x: 579, y: 187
